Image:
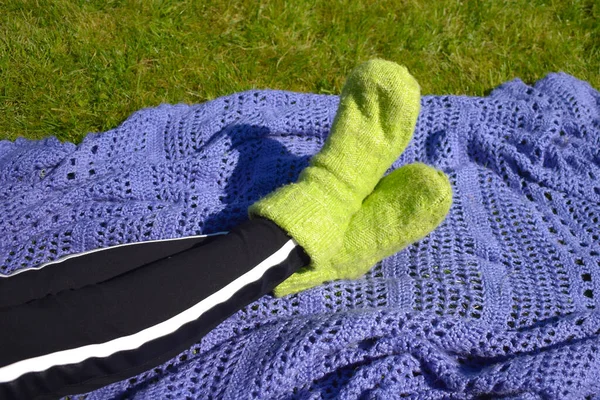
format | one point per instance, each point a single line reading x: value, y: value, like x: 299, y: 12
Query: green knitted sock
x: 378, y: 110
x: 405, y: 206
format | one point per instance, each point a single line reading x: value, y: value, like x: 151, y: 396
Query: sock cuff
x: 303, y: 212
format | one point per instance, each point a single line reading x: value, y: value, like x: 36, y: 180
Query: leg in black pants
x: 106, y: 325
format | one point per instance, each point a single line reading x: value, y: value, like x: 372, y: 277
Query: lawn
x: 72, y: 67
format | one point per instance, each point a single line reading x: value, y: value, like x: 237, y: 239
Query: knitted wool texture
x: 499, y: 301
x: 378, y: 110
x: 405, y: 206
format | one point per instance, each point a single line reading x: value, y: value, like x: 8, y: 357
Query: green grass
x: 72, y: 67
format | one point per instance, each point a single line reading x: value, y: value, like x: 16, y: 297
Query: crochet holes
x: 574, y: 228
x: 38, y: 251
x: 112, y: 231
x: 537, y: 203
x: 329, y: 386
x: 534, y: 267
x: 71, y: 175
x: 434, y: 135
x: 258, y: 98
x: 587, y: 283
x: 485, y: 151
x: 121, y: 187
x: 208, y: 375
x: 276, y: 308
x: 226, y: 166
x: 4, y: 266
x: 35, y: 251
x: 182, y: 224
x: 171, y: 140
x: 438, y: 149
x: 196, y: 130
x: 439, y: 285
x: 446, y: 273
x: 188, y: 129
x: 375, y: 272
x: 355, y: 294
x: 61, y: 243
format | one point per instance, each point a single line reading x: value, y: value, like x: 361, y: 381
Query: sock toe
x: 405, y: 206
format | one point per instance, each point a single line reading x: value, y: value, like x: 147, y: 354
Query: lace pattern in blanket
x: 499, y: 301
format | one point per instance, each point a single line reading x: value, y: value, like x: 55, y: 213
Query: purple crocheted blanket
x: 501, y: 301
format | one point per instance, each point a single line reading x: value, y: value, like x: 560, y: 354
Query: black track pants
x: 98, y: 317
